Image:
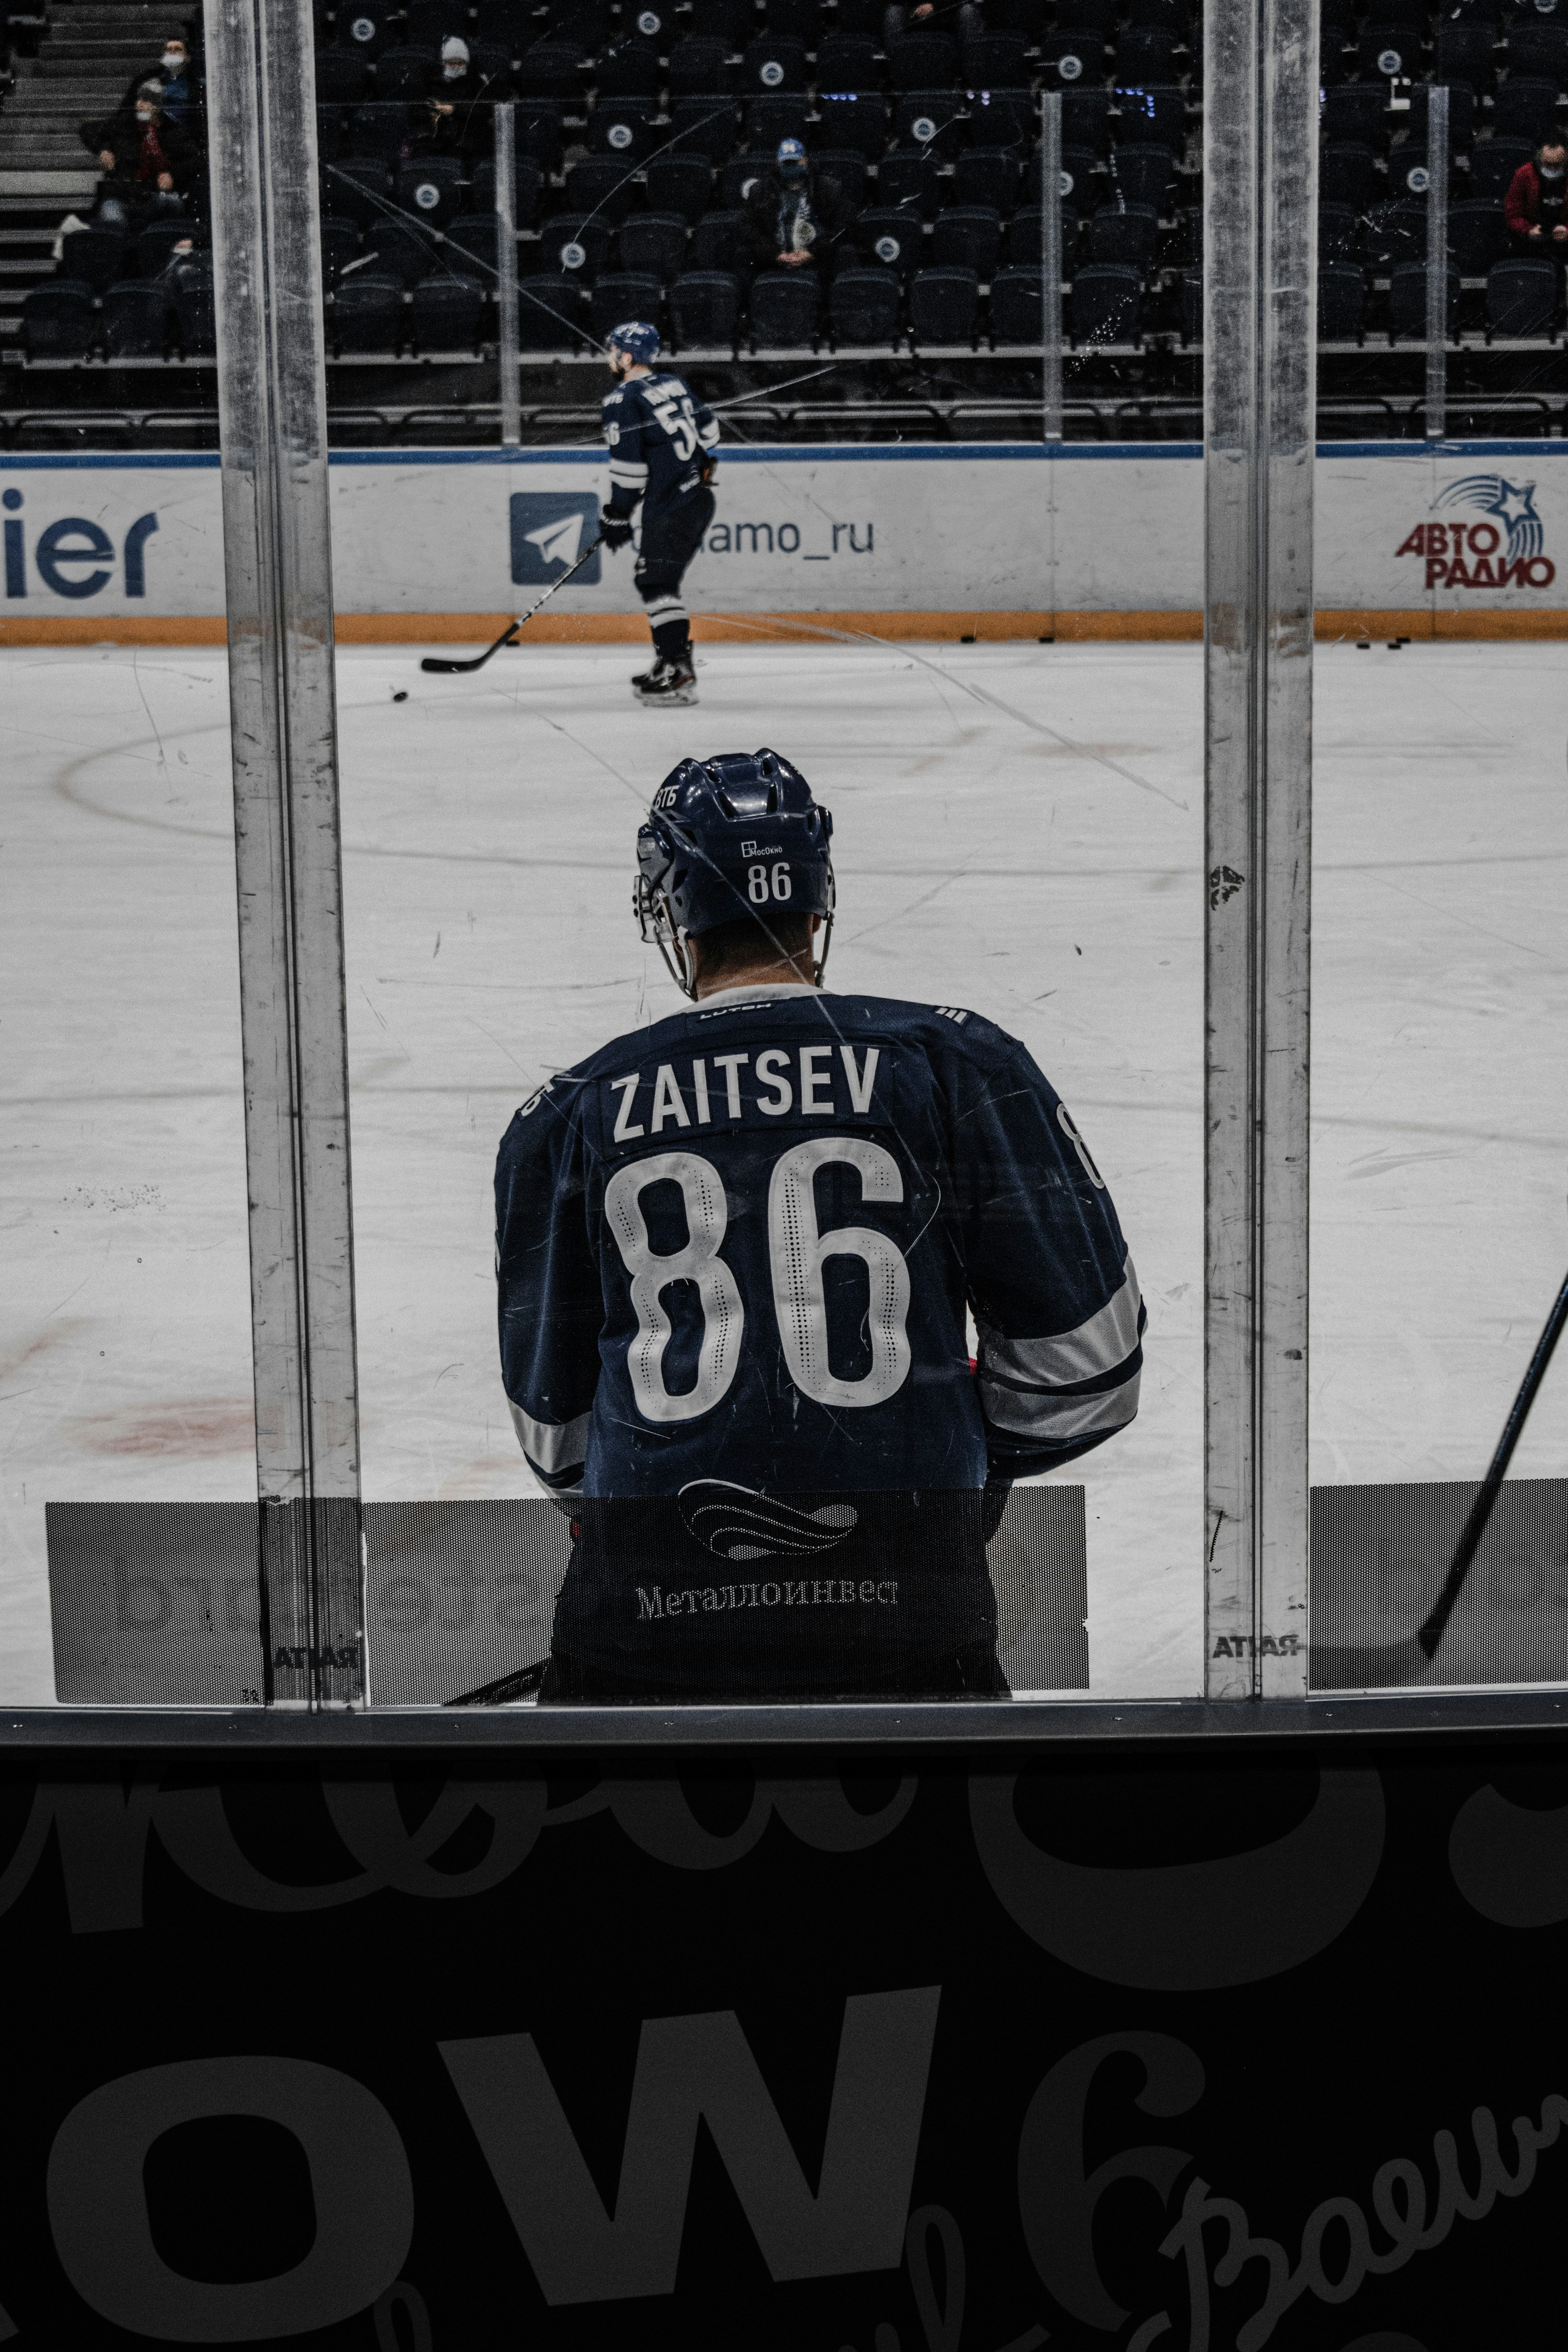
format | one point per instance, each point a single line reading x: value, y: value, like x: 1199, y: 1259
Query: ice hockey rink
x: 1019, y: 829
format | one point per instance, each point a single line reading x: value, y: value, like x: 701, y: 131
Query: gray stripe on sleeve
x: 1059, y: 1420
x: 1107, y: 1340
x: 551, y: 1445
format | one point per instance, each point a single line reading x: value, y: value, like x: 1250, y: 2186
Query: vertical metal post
x: 272, y: 412
x: 1051, y: 266
x: 506, y: 258
x: 1260, y: 353
x: 1436, y: 262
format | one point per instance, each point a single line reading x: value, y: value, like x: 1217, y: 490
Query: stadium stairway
x: 86, y: 52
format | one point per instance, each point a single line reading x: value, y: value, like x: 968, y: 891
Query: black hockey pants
x: 670, y: 537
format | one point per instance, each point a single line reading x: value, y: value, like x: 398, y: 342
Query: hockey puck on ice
x: 402, y: 695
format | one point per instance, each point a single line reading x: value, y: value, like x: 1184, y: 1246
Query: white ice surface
x: 1018, y: 829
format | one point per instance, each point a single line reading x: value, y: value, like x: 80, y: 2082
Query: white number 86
x: 759, y: 889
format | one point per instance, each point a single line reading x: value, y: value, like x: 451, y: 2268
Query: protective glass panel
x: 1439, y: 834
x: 819, y: 1336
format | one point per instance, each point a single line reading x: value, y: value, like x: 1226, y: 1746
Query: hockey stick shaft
x: 1431, y: 1632
x: 443, y: 669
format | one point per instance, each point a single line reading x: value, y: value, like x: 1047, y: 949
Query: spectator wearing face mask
x: 453, y: 123
x: 175, y: 76
x: 796, y: 217
x: 149, y: 160
x: 1533, y: 206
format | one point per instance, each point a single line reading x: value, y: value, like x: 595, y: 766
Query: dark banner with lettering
x: 1211, y: 2054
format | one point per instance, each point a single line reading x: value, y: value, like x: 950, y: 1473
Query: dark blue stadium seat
x: 196, y: 313
x: 700, y: 67
x: 135, y: 321
x: 365, y: 313
x: 907, y: 177
x: 966, y: 237
x: 1024, y: 248
x: 890, y: 239
x: 995, y: 61
x: 602, y: 186
x: 924, y: 61
x: 1146, y: 174
x: 704, y: 308
x: 157, y: 242
x: 536, y: 131
x: 1345, y: 174
x: 1522, y: 297
x: 332, y: 134
x: 1493, y: 164
x: 429, y: 189
x: 1339, y: 232
x: 1390, y: 50
x: 574, y: 245
x: 551, y: 313
x: 680, y: 184
x: 736, y: 178
x: 705, y: 127
x: 943, y: 307
x: 863, y: 306
x: 629, y: 68
x: 470, y: 246
x: 368, y: 30
x: 623, y: 294
x: 842, y: 164
x: 1069, y: 59
x: 653, y: 245
x: 1105, y: 304
x: 802, y: 19
x: 1152, y: 114
x: 784, y: 308
x: 1124, y: 233
x: 96, y: 256
x: 1394, y: 232
x: 849, y: 66
x: 780, y: 115
x: 715, y: 246
x: 1407, y: 302
x: 1539, y: 49
x: 1409, y: 171
x: 1086, y: 119
x: 1001, y: 118
x: 1192, y: 306
x: 1525, y: 107
x: 405, y: 250
x: 59, y: 320
x: 1016, y: 297
x: 857, y: 119
x: 622, y: 128
x: 379, y: 130
x: 341, y: 76
x: 771, y: 64
x: 551, y: 70
x: 1462, y: 112
x: 1477, y: 236
x: 508, y: 23
x: 1341, y: 299
x: 1097, y: 16
x: 930, y: 118
x: 1465, y: 52
x: 730, y: 21
x: 404, y: 75
x: 528, y: 182
x: 988, y: 176
x: 1145, y: 54
x: 446, y: 314
x: 1358, y: 110
x: 428, y: 22
x: 1079, y: 186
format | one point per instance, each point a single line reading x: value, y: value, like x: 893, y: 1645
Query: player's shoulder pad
x: 955, y: 1025
x: 611, y: 400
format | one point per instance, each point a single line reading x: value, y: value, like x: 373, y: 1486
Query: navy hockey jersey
x: 657, y: 434
x: 734, y: 1254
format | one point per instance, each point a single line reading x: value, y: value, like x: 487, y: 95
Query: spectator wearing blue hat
x: 796, y: 217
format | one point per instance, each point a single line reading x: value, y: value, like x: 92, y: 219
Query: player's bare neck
x: 780, y: 974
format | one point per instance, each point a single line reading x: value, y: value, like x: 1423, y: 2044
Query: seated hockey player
x: 735, y: 1252
x: 661, y: 444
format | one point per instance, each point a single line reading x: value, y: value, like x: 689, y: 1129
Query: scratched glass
x: 1440, y: 831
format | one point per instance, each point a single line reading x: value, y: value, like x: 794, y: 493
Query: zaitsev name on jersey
x: 802, y: 1076
x: 769, y: 1287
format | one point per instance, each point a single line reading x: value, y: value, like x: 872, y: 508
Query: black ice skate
x: 667, y: 682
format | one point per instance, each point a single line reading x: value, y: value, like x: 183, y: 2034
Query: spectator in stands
x: 150, y: 162
x: 967, y: 20
x: 175, y: 76
x: 452, y: 123
x: 796, y: 216
x: 1533, y: 206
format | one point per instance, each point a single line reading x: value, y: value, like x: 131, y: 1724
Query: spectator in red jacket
x: 1534, y: 203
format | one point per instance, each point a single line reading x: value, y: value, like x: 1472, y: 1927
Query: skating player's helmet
x: 637, y: 340
x: 736, y: 835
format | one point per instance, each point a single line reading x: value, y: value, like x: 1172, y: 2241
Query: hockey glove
x: 615, y: 530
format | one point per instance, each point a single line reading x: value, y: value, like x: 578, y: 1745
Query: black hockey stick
x: 506, y: 1690
x: 1431, y: 1634
x: 433, y: 662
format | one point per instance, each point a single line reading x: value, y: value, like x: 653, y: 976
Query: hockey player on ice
x: 661, y: 445
x: 734, y: 1252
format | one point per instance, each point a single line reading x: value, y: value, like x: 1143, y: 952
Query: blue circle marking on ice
x: 572, y: 255
x: 773, y: 73
x: 922, y: 128
x: 1069, y: 68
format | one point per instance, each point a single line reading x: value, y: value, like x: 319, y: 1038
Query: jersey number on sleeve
x: 797, y: 1252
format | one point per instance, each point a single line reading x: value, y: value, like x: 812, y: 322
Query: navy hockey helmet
x: 636, y: 339
x: 735, y: 835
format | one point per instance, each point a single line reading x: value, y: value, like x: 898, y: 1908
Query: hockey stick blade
x: 506, y: 1690
x: 439, y: 668
x: 1431, y: 1632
